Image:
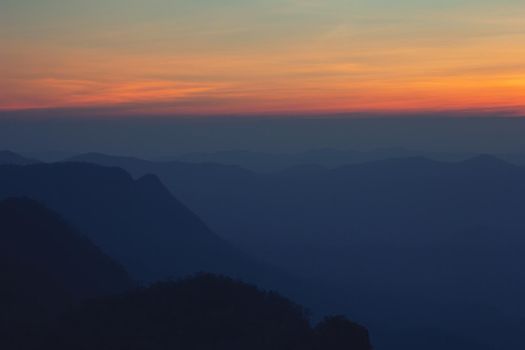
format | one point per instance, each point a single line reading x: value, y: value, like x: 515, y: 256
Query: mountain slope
x: 185, y: 180
x: 45, y: 267
x: 138, y: 222
x: 37, y: 238
x: 408, y: 236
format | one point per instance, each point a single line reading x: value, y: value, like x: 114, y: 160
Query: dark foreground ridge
x: 204, y: 312
x: 33, y: 237
x: 59, y: 291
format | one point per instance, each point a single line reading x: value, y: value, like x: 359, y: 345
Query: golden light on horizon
x: 265, y: 57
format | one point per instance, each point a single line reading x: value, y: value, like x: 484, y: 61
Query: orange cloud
x: 476, y: 65
x: 60, y: 93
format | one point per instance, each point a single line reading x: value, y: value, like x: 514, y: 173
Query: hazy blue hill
x: 329, y: 158
x: 515, y: 158
x: 138, y: 222
x: 489, y: 162
x: 137, y: 166
x: 270, y: 162
x: 8, y: 157
x: 226, y: 184
x: 403, y: 236
x: 255, y: 161
x: 325, y: 157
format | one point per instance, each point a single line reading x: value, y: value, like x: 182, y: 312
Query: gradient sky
x: 263, y: 56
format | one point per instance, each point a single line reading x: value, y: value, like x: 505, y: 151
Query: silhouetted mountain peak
x: 139, y: 167
x: 91, y: 171
x: 139, y: 222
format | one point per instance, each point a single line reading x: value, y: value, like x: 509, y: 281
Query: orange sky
x: 258, y: 57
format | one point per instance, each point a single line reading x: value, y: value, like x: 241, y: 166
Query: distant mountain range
x: 276, y: 162
x: 329, y: 158
x: 138, y: 222
x: 416, y: 248
x: 429, y: 240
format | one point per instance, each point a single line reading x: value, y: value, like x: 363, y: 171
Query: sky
x: 229, y: 57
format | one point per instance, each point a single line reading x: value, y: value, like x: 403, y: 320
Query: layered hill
x: 45, y: 267
x: 137, y: 222
x: 35, y: 238
x: 439, y: 243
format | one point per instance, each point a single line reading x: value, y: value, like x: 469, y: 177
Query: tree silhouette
x: 339, y: 333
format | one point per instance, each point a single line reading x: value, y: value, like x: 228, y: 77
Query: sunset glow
x: 256, y: 57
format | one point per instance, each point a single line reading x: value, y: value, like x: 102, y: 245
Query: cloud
x: 53, y: 92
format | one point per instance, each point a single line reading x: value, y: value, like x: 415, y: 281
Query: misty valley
x: 109, y: 252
